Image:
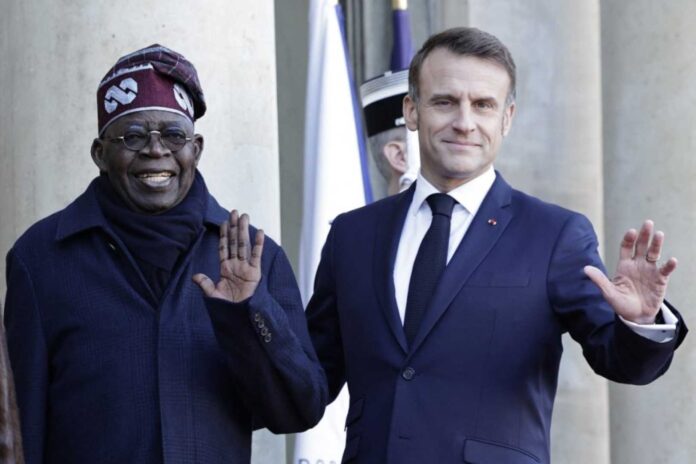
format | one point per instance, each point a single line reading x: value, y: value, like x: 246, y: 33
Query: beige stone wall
x: 650, y: 165
x: 53, y: 56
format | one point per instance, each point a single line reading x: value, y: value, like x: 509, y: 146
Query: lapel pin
x: 492, y: 222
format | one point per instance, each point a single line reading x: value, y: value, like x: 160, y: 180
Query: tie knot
x: 441, y: 203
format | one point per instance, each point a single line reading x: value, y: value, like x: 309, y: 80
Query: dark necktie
x: 430, y: 262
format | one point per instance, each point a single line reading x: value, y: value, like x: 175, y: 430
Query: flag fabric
x: 402, y: 50
x: 335, y: 164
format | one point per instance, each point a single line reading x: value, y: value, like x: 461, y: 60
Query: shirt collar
x: 470, y: 195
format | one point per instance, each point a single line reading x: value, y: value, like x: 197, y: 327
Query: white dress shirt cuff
x: 660, y: 333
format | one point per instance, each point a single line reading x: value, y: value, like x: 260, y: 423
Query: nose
x: 155, y: 147
x: 464, y: 119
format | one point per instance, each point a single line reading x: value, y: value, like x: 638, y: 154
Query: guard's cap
x: 382, y: 99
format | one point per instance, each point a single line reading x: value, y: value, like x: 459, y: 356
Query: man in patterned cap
x: 123, y: 346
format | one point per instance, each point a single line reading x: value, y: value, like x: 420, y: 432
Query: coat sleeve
x: 323, y: 321
x: 271, y: 356
x: 28, y: 357
x: 611, y: 348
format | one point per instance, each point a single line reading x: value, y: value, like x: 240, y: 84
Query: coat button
x: 267, y: 338
x: 408, y: 373
x: 264, y: 331
x: 261, y: 324
x: 257, y: 317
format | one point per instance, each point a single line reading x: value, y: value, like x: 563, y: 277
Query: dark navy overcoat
x: 106, y: 373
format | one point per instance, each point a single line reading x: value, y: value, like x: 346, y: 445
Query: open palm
x: 240, y: 262
x: 638, y: 288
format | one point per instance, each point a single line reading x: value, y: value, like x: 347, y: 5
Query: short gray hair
x: 465, y: 41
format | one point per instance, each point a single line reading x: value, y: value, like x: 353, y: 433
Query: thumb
x: 205, y: 283
x: 599, y: 279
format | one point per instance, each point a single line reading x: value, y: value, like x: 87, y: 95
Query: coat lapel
x: 476, y: 244
x: 386, y: 246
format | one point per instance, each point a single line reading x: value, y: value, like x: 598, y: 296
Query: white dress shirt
x: 469, y: 197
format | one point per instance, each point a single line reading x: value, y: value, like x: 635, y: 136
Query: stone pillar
x: 650, y: 166
x: 554, y: 151
x: 54, y: 55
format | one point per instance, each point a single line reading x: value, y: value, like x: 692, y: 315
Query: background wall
x: 649, y: 112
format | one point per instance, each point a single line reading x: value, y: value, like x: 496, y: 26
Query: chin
x: 154, y: 206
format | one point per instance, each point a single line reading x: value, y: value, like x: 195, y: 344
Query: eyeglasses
x: 173, y: 140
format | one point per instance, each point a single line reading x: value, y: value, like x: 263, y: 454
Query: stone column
x: 650, y: 167
x: 54, y: 55
x: 554, y: 151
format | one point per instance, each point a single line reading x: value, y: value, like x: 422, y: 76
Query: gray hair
x: 465, y: 41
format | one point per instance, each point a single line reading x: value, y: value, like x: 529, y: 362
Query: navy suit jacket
x: 479, y: 381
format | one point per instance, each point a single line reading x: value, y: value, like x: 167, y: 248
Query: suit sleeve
x: 272, y: 358
x: 611, y: 348
x: 323, y: 321
x: 28, y: 357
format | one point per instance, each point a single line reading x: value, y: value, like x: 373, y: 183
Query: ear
x: 410, y: 110
x: 98, y: 155
x: 197, y: 146
x: 508, y: 114
x: 395, y: 153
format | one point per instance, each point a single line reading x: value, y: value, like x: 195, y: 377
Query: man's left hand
x: 240, y: 262
x: 637, y: 290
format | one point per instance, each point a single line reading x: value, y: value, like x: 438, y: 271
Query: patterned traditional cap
x: 382, y: 99
x: 153, y: 78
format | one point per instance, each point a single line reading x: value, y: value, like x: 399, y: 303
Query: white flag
x: 333, y: 183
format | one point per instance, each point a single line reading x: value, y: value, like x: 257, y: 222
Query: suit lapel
x: 486, y: 228
x: 386, y: 245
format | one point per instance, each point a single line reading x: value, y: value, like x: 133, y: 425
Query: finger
x: 257, y: 250
x: 205, y: 283
x: 627, y: 244
x: 668, y: 267
x: 223, y: 248
x: 243, y: 238
x: 232, y: 235
x: 599, y: 279
x: 653, y: 253
x: 643, y: 239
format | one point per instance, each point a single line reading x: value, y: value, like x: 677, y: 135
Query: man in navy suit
x: 443, y: 307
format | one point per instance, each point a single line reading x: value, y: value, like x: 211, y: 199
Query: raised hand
x: 240, y: 262
x: 638, y: 288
